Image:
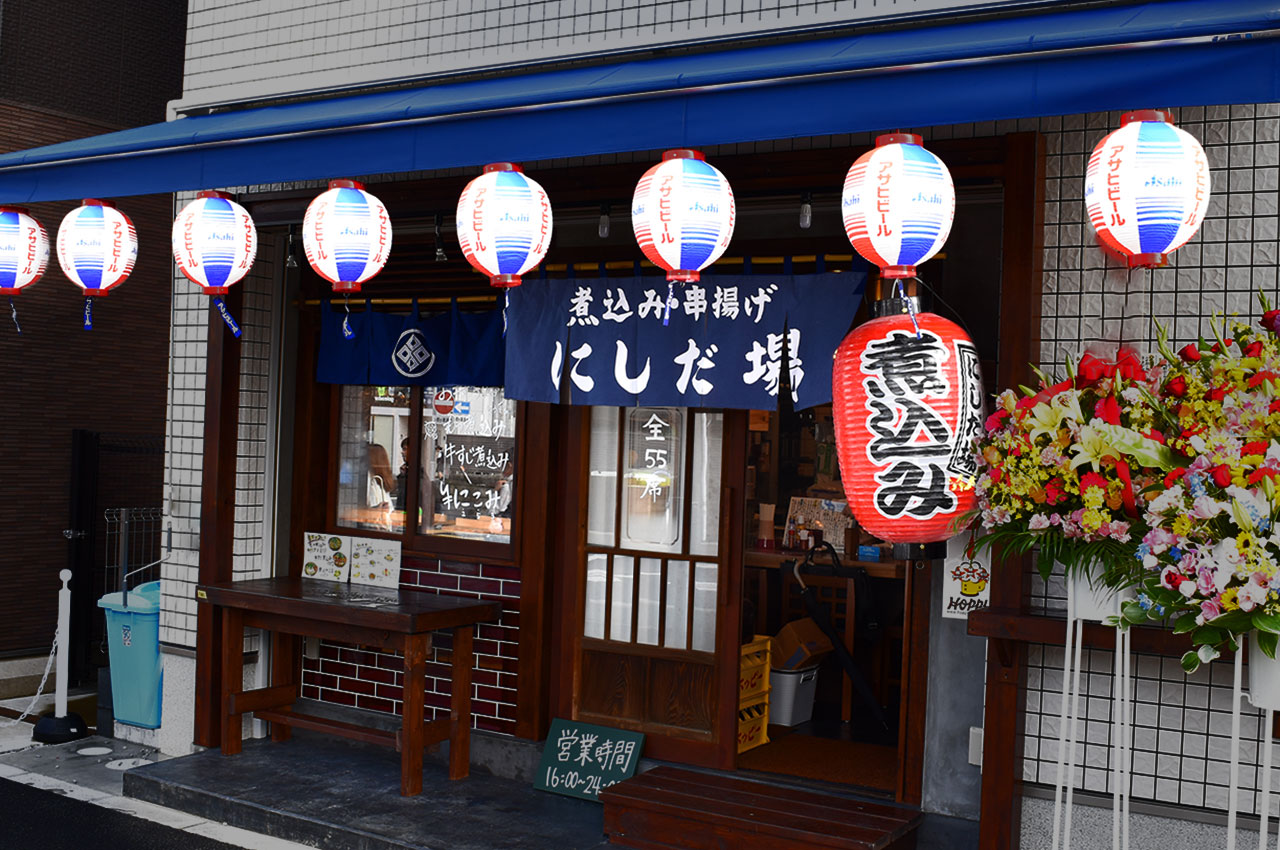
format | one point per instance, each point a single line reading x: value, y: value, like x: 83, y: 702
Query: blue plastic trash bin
x: 133, y: 631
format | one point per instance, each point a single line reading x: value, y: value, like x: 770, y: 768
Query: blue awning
x: 1157, y: 54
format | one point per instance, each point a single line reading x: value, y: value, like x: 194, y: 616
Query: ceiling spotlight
x: 603, y: 229
x: 806, y: 211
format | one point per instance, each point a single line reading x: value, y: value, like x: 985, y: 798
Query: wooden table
x: 392, y: 620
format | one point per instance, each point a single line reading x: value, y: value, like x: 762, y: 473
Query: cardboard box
x: 800, y: 643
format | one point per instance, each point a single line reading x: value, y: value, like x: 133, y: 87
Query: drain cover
x: 94, y: 751
x: 126, y: 764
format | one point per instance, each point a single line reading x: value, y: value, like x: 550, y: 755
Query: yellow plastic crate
x: 753, y: 723
x: 753, y: 670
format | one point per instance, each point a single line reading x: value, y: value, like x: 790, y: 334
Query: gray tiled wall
x: 263, y: 48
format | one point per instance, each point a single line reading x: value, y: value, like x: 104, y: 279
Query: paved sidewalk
x: 92, y: 770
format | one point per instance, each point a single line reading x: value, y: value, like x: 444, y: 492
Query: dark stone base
x: 329, y: 792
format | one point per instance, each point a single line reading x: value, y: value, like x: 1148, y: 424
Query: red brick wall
x: 57, y: 377
x: 371, y: 679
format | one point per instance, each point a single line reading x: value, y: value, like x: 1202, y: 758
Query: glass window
x: 468, y: 464
x: 670, y: 457
x: 374, y: 424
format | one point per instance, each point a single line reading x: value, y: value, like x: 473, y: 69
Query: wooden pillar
x: 217, y: 509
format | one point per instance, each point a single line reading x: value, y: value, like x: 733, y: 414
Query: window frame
x: 412, y: 541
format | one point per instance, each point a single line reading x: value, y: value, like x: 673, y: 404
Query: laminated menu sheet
x: 342, y: 557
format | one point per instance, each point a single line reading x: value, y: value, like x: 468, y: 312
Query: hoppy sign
x: 907, y: 407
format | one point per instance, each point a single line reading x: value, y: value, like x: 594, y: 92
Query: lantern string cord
x: 506, y: 304
x: 666, y: 314
x: 346, y: 319
x: 911, y: 307
x: 954, y: 312
x: 13, y: 313
x: 88, y: 313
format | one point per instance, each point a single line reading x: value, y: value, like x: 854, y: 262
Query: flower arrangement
x: 1067, y: 468
x: 1210, y: 557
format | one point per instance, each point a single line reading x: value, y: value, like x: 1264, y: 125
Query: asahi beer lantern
x: 504, y: 223
x: 682, y: 213
x: 24, y: 250
x: 347, y: 235
x: 907, y: 408
x: 1146, y: 188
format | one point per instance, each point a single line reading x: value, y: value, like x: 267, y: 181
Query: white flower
x: 1207, y: 653
x: 1038, y: 522
x: 1227, y: 552
x: 1168, y: 499
x: 1206, y: 507
x: 1187, y: 588
x: 1252, y: 595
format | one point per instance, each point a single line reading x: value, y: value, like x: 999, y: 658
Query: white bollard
x: 61, y: 726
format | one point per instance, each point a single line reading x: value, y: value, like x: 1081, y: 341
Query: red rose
x: 1260, y: 376
x: 1257, y: 447
x: 1221, y: 475
x: 1189, y: 353
x: 1174, y: 475
x: 1107, y: 410
x: 1219, y: 393
x: 1274, y: 407
x: 1177, y: 385
x: 995, y: 420
x: 1253, y: 349
x: 1271, y: 321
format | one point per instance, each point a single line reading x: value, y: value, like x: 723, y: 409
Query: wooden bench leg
x: 411, y: 732
x: 284, y: 671
x: 460, y: 704
x: 232, y: 677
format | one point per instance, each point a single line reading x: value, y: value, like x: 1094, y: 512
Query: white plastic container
x: 791, y: 695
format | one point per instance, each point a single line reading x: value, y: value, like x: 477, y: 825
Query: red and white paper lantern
x: 214, y: 245
x: 24, y: 250
x: 504, y: 223
x: 347, y: 235
x: 1146, y: 188
x: 907, y: 408
x: 97, y: 247
x: 898, y: 204
x: 683, y: 214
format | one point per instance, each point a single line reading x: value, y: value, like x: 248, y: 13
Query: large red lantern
x: 908, y: 404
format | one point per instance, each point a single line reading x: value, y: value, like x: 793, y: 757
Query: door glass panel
x: 704, y: 519
x: 650, y: 598
x: 597, y: 575
x: 620, y: 615
x: 704, y: 606
x: 653, y: 482
x: 676, y: 634
x: 602, y: 493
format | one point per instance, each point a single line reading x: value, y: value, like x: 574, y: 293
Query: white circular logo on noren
x: 411, y: 357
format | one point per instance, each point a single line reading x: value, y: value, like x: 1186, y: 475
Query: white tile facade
x: 254, y: 49
x: 185, y: 438
x: 1182, y: 723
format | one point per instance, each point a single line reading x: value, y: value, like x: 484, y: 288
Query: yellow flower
x: 1228, y: 599
x: 1182, y: 525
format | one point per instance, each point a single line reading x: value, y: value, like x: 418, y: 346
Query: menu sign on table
x: 375, y: 561
x: 581, y: 760
x: 341, y: 557
x: 326, y: 556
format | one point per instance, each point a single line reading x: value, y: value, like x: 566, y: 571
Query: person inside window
x: 381, y: 486
x: 402, y: 477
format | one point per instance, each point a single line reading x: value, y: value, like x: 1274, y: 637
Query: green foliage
x: 1267, y: 643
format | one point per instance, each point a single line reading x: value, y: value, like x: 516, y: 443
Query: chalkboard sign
x: 581, y: 760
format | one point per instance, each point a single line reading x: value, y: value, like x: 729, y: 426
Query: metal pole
x: 64, y: 630
x: 122, y: 555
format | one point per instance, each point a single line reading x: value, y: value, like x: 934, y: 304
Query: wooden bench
x: 671, y: 807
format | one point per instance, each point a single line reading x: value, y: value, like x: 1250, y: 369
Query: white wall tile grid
x: 250, y: 49
x: 1182, y: 723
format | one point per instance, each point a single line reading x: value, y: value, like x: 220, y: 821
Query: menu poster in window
x: 473, y: 475
x: 375, y: 562
x: 326, y: 556
x: 834, y: 516
x: 581, y: 760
